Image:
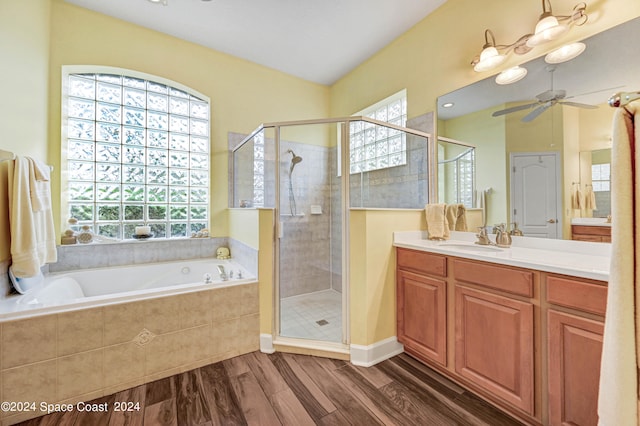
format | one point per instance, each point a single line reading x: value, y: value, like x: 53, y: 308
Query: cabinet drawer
x: 419, y: 261
x: 591, y: 230
x: 577, y: 294
x: 514, y: 281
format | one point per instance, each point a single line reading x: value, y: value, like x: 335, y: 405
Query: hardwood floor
x: 287, y: 389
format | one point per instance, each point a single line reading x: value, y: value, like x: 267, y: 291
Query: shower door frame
x: 343, y: 346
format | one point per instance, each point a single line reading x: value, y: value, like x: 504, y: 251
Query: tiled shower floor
x: 304, y: 316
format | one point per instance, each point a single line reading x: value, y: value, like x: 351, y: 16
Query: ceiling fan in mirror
x: 546, y: 100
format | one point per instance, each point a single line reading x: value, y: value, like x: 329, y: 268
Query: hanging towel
x: 618, y: 392
x: 591, y: 196
x: 481, y: 202
x: 437, y: 222
x: 33, y: 242
x: 456, y: 217
x: 576, y: 198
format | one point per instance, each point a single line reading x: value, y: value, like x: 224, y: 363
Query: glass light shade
x: 489, y: 59
x: 547, y: 29
x: 565, y: 53
x: 511, y: 75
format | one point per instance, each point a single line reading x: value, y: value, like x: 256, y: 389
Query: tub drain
x: 322, y: 322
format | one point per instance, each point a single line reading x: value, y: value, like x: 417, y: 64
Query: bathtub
x: 65, y: 291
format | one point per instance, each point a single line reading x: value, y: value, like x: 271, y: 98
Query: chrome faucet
x: 223, y: 273
x: 503, y: 238
x: 483, y: 238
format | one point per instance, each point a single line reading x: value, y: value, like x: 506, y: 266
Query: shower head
x: 295, y: 159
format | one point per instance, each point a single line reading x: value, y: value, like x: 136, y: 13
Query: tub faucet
x: 223, y: 273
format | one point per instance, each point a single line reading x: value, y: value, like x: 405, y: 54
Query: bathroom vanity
x: 521, y: 326
x: 591, y: 229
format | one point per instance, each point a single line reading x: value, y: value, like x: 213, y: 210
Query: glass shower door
x: 310, y: 234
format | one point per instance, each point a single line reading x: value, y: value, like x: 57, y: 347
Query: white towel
x: 437, y: 221
x: 33, y: 242
x: 618, y: 392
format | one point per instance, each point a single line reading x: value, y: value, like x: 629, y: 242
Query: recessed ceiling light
x: 162, y: 2
x: 511, y: 75
x: 447, y: 105
x: 565, y: 53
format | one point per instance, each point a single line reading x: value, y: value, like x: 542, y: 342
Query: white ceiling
x: 317, y: 40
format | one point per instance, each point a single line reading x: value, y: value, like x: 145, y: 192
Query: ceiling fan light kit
x: 549, y: 27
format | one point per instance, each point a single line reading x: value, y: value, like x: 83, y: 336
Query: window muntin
x: 137, y: 152
x: 601, y: 177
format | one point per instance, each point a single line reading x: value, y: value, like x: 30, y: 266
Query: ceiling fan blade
x: 550, y: 95
x: 514, y: 109
x: 536, y: 112
x: 610, y: 89
x: 579, y: 105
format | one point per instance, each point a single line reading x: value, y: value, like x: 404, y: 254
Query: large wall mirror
x: 535, y: 167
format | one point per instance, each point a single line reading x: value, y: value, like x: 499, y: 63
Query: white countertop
x: 575, y: 258
x: 590, y: 221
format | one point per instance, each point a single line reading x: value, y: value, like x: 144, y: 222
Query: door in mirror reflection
x: 534, y: 191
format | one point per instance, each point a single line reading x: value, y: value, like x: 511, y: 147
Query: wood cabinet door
x: 494, y: 345
x: 422, y: 315
x: 575, y: 349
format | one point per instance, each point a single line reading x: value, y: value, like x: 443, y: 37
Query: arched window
x: 135, y: 151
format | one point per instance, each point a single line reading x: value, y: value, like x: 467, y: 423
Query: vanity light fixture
x: 565, y: 53
x: 448, y: 105
x: 511, y: 75
x: 549, y: 27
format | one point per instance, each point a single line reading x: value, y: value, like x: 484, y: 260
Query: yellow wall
x: 372, y: 271
x: 24, y: 59
x: 488, y: 136
x: 430, y: 60
x: 243, y: 94
x: 433, y: 57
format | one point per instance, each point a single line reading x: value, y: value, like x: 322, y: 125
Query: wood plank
x: 372, y: 398
x: 221, y: 399
x: 415, y: 410
x: 484, y: 412
x: 265, y: 372
x: 314, y: 390
x: 160, y: 390
x: 96, y: 418
x: 253, y: 401
x: 162, y: 413
x: 432, y: 394
x: 333, y: 419
x: 289, y: 409
x: 236, y: 366
x: 56, y: 419
x: 350, y: 407
x: 191, y: 406
x: 134, y: 417
x: 295, y: 382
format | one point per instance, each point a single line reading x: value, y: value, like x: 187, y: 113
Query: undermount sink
x: 471, y: 247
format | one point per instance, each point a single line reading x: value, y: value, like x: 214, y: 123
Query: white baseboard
x: 266, y: 343
x: 366, y: 356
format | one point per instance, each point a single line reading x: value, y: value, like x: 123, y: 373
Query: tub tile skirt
x: 89, y: 353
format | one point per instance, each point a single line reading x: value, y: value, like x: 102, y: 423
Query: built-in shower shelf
x: 292, y: 215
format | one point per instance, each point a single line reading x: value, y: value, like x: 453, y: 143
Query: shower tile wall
x: 306, y: 245
x: 405, y: 186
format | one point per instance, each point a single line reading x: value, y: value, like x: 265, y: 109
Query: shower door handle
x: 280, y: 232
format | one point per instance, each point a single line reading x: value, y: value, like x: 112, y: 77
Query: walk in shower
x: 298, y: 169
